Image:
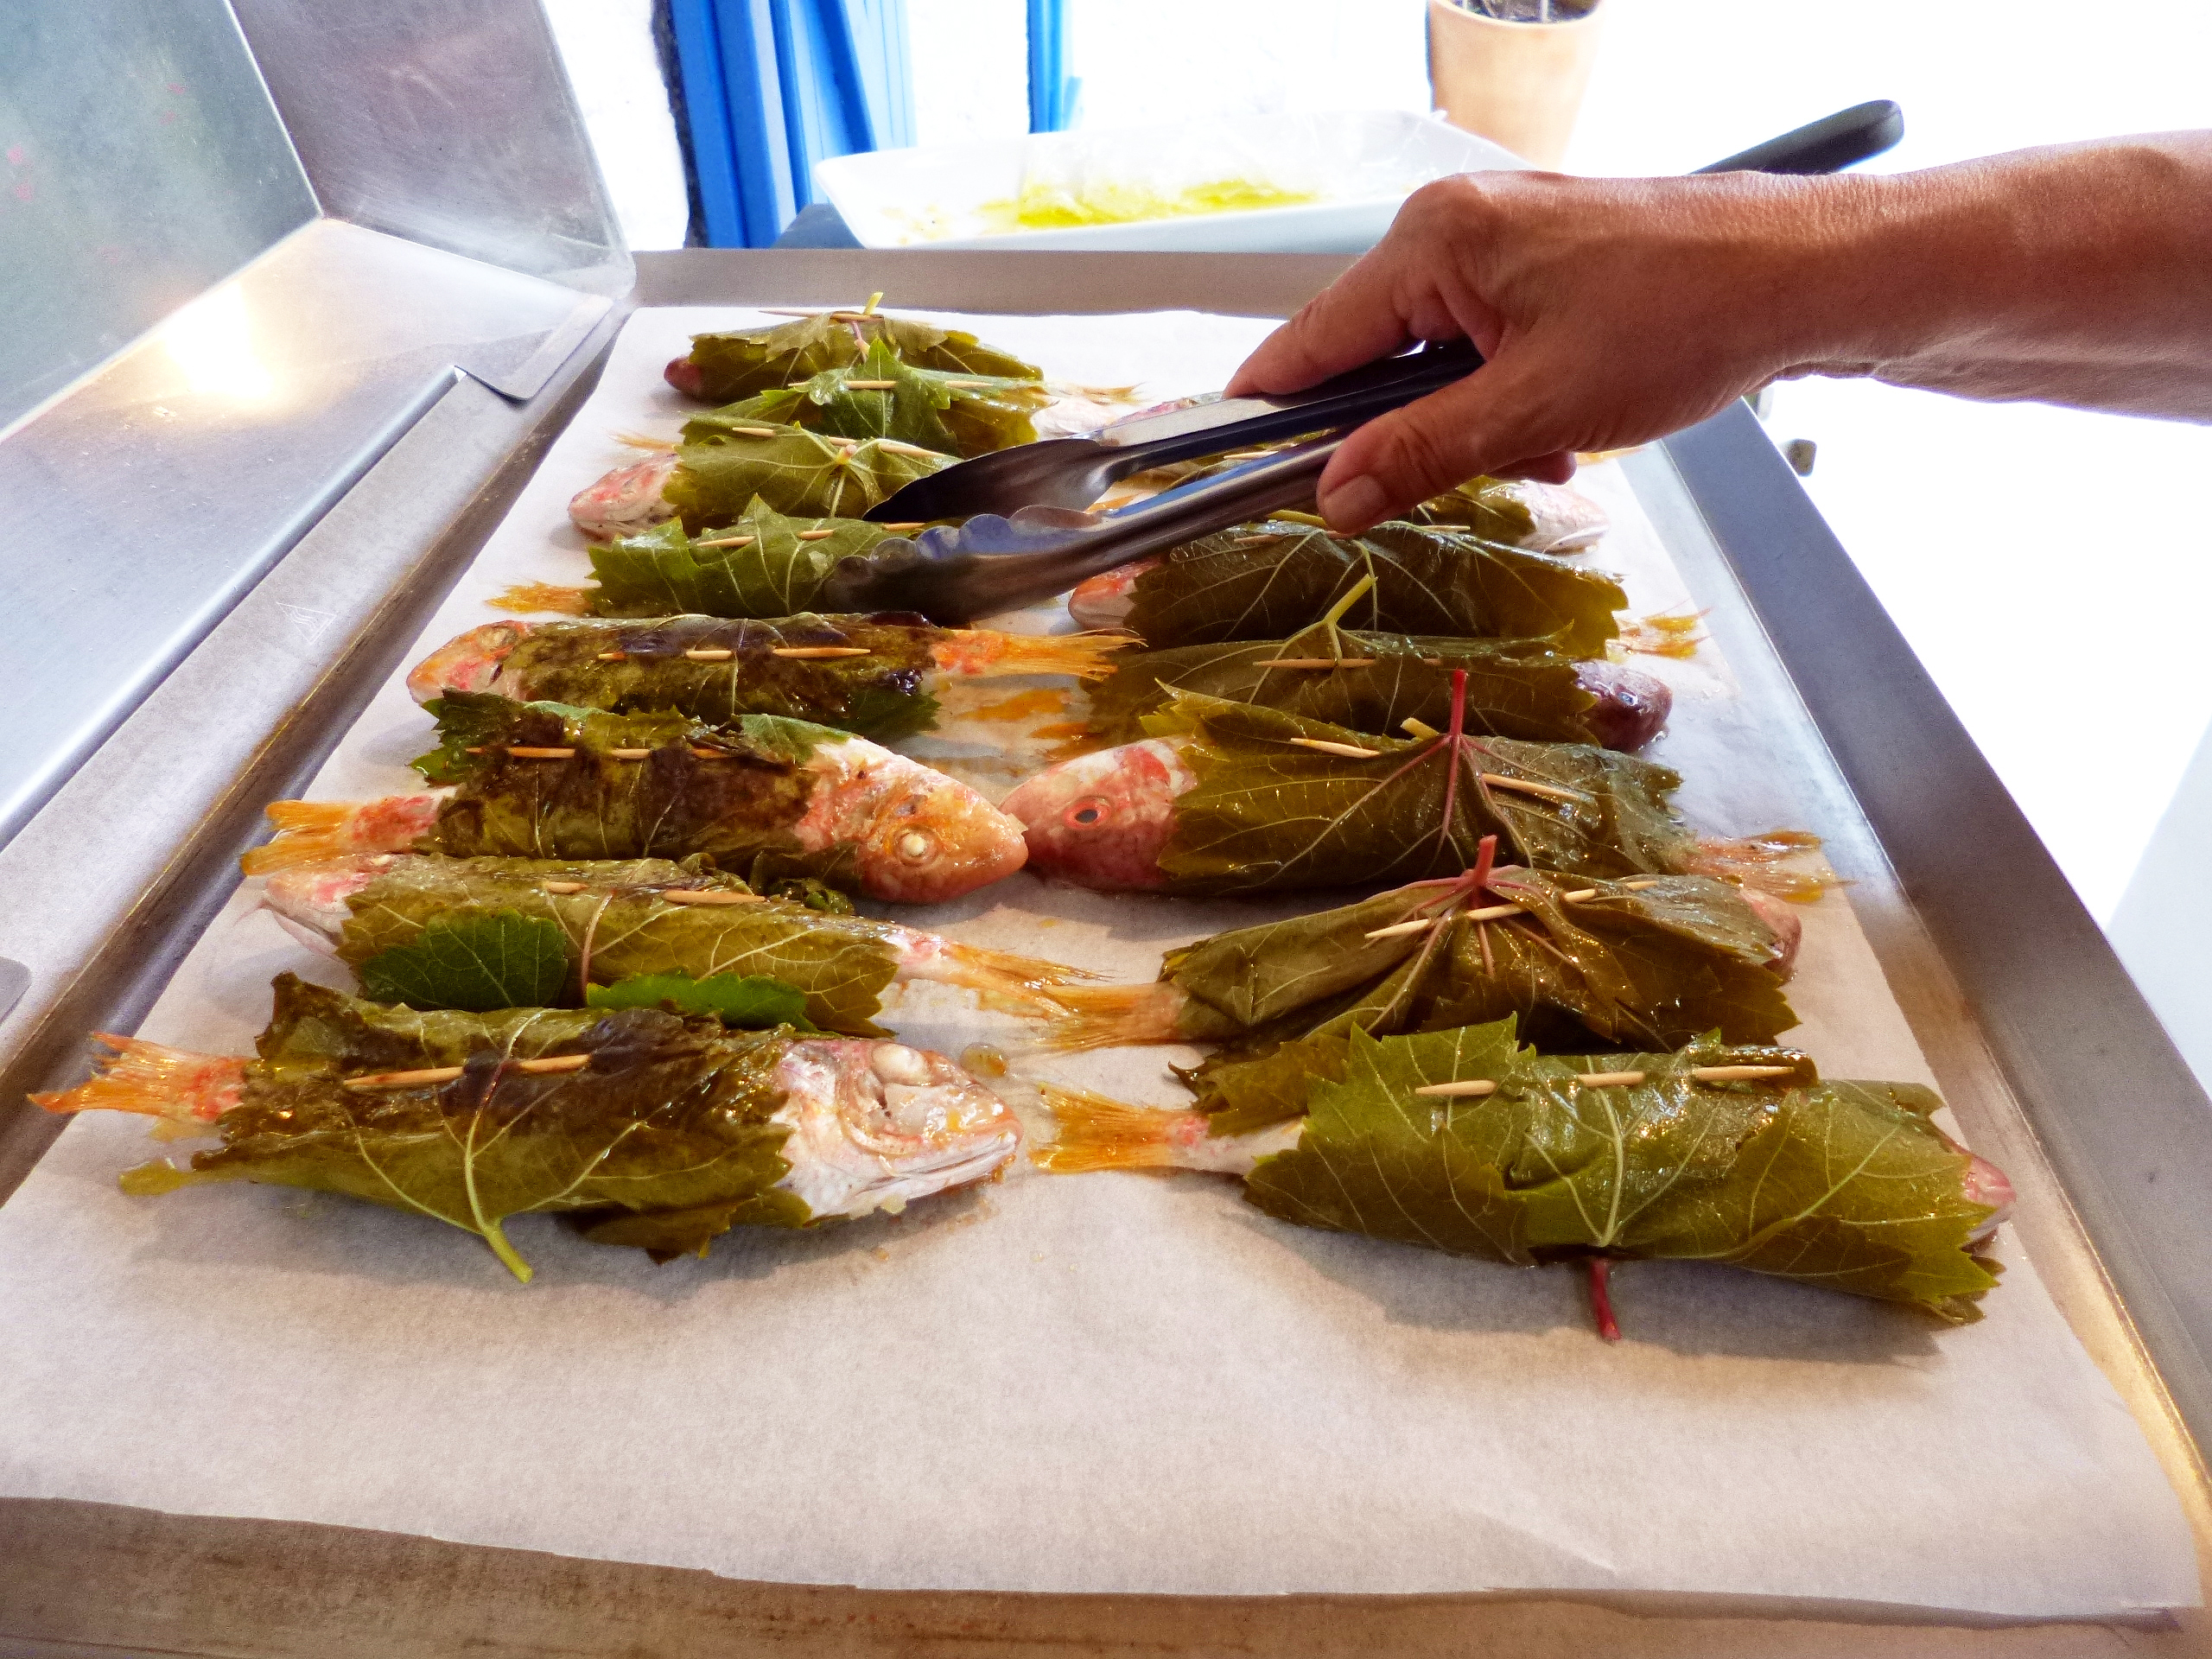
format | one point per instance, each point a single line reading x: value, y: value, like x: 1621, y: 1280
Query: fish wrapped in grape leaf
x: 763, y: 563
x: 1520, y: 513
x: 615, y: 920
x: 1226, y: 797
x: 879, y: 675
x: 651, y: 1129
x: 882, y: 396
x: 795, y: 471
x: 1655, y: 961
x: 1461, y: 1141
x: 806, y: 475
x: 723, y: 367
x: 1268, y: 581
x: 1379, y: 682
x: 760, y: 796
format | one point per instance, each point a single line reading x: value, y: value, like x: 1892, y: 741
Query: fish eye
x: 1085, y: 813
x: 914, y: 847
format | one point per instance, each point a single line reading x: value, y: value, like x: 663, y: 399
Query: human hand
x: 1610, y: 312
x: 1614, y: 311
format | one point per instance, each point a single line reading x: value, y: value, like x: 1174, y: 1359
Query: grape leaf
x: 1516, y: 688
x: 1263, y: 581
x: 498, y: 960
x: 809, y: 892
x: 1844, y: 1185
x: 778, y: 572
x: 794, y: 471
x: 665, y: 1133
x: 1484, y: 507
x: 1268, y: 812
x: 1654, y: 965
x: 883, y: 695
x: 955, y: 414
x: 746, y: 1001
x: 676, y: 787
x: 737, y: 365
x: 839, y: 963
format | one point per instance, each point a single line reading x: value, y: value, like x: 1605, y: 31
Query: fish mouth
x: 958, y: 1163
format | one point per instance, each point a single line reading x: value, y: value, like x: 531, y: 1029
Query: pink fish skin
x: 1105, y: 600
x: 309, y: 901
x: 1781, y: 916
x: 685, y: 376
x: 1632, y: 705
x: 1102, y: 820
x: 628, y: 500
x: 1987, y: 1184
x: 468, y: 662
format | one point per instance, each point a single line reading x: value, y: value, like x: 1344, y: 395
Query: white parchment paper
x: 1104, y: 1383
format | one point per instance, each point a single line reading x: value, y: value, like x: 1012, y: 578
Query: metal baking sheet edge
x: 2114, y: 1106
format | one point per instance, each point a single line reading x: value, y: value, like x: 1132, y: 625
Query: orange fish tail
x: 308, y: 832
x: 1109, y: 1016
x: 1098, y: 1132
x: 1012, y: 984
x: 981, y: 650
x: 158, y: 1082
x: 1664, y: 633
x: 1763, y: 862
x: 527, y: 597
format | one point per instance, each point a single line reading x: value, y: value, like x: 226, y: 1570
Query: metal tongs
x: 1027, y: 537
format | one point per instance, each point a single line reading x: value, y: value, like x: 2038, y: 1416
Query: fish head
x: 1102, y: 820
x: 627, y: 501
x: 1106, y: 600
x: 918, y: 836
x: 875, y: 1125
x: 468, y: 662
x: 310, y: 900
x: 930, y: 838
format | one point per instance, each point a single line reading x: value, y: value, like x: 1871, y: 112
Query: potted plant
x: 1513, y: 70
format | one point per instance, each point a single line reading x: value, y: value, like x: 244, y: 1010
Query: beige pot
x: 1519, y: 84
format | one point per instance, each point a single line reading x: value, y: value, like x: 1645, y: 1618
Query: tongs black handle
x: 1827, y: 145
x: 1208, y: 426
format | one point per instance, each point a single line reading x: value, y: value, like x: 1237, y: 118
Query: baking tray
x: 1951, y: 887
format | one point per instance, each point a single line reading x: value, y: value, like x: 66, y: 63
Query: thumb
x: 1490, y: 419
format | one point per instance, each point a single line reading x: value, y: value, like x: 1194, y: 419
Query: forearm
x: 2080, y: 275
x: 1615, y: 311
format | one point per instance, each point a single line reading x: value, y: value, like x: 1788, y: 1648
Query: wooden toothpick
x: 1322, y: 746
x: 1477, y: 1086
x: 551, y: 1064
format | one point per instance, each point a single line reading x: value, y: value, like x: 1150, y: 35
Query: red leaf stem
x: 1601, y: 1298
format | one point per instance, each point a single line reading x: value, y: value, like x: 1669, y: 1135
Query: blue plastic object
x: 773, y: 86
x: 1052, y: 92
